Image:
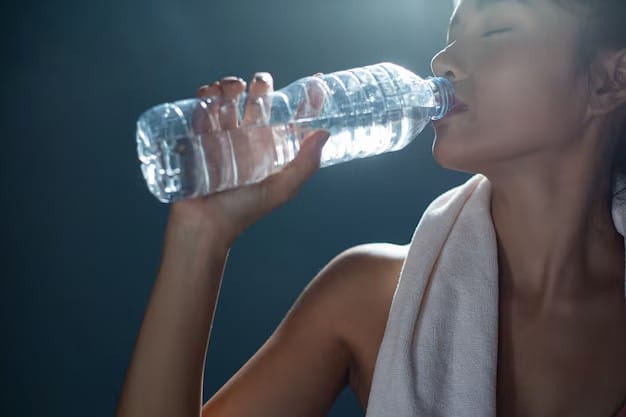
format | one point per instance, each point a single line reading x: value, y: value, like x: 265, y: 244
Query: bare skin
x: 562, y: 310
x: 329, y: 339
x: 562, y: 334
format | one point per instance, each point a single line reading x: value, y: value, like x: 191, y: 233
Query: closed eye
x: 496, y: 31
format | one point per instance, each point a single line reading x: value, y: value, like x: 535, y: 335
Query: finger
x: 313, y: 101
x: 232, y: 87
x: 258, y: 107
x: 205, y: 117
x: 282, y: 186
x: 208, y: 91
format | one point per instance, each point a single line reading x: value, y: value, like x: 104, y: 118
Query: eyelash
x: 491, y: 32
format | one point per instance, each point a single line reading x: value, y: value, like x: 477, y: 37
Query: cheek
x: 522, y: 93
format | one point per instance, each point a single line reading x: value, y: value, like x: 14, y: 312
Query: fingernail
x: 204, y: 92
x: 232, y: 79
x: 318, y: 74
x: 263, y: 77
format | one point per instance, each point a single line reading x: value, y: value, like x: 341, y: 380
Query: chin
x: 457, y: 155
x: 470, y: 157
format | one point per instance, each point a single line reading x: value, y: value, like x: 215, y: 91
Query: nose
x: 444, y: 64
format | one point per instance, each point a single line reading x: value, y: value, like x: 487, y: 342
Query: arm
x: 165, y: 374
x: 164, y: 377
x: 299, y: 371
x: 303, y: 366
x: 329, y: 336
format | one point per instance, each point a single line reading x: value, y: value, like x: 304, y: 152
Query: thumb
x: 282, y: 186
x: 308, y: 159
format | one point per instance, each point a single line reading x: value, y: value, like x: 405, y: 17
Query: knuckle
x: 275, y: 192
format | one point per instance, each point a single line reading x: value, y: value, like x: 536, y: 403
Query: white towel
x: 438, y: 357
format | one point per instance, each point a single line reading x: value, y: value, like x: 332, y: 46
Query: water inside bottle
x: 192, y: 166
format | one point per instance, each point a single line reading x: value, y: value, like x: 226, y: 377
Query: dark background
x: 81, y: 233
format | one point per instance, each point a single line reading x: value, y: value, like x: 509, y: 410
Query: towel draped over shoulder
x: 438, y: 356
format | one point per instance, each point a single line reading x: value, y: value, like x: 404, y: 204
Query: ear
x: 608, y: 82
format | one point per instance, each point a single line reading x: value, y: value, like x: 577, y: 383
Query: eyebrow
x: 480, y: 6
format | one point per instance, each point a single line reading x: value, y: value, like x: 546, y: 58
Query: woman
x: 544, y: 82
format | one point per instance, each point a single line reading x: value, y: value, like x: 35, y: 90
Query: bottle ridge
x: 367, y: 111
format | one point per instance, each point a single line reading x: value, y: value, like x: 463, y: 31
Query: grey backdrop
x: 81, y: 233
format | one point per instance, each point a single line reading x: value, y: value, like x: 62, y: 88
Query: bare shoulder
x: 359, y: 278
x: 359, y: 271
x: 329, y: 339
x: 369, y: 276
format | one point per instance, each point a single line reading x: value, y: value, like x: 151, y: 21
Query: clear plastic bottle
x: 368, y: 111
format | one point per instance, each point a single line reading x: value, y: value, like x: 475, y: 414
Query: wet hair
x: 602, y: 28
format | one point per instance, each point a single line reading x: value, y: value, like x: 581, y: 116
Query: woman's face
x: 513, y: 65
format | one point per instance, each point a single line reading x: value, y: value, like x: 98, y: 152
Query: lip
x: 458, y: 102
x: 459, y: 107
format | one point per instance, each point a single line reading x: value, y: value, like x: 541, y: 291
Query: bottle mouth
x: 443, y: 91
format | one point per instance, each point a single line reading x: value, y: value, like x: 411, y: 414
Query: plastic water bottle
x: 368, y: 111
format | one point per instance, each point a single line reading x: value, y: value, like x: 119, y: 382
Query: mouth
x: 459, y: 107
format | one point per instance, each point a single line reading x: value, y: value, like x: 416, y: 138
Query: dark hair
x: 603, y: 29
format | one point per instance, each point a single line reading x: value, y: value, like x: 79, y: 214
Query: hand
x: 230, y: 212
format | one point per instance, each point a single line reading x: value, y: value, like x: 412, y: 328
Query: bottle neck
x: 443, y: 91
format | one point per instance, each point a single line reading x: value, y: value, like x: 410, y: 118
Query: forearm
x: 165, y: 374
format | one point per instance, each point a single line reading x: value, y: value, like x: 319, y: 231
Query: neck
x: 556, y: 236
